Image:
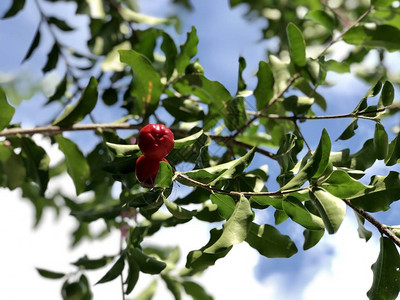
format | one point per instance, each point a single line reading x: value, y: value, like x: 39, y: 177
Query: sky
x: 338, y: 267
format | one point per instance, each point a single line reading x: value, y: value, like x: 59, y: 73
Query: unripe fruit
x: 156, y: 141
x: 147, y: 169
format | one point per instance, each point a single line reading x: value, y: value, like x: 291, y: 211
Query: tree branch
x: 383, y: 229
x: 235, y: 193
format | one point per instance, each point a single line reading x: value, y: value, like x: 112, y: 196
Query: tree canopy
x: 132, y: 62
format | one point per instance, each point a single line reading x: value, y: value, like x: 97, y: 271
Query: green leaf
x: 93, y: 264
x: 297, y: 45
x: 212, y: 93
x: 37, y: 162
x: 341, y: 185
x: 382, y: 192
x: 6, y: 110
x: 182, y: 109
x: 331, y: 209
x: 379, y: 36
x: 188, y: 50
x: 15, y: 8
x: 235, y: 116
x: 269, y: 242
x: 381, y: 141
x: 316, y: 165
x: 14, y: 170
x: 187, y: 141
x: 312, y: 237
x: 235, y: 229
x: 115, y: 270
x: 52, y: 59
x: 173, y: 285
x: 164, y: 175
x: 195, y: 290
x: 33, y: 46
x: 146, y: 82
x: 133, y: 16
x: 177, y: 211
x: 364, y: 158
x: 362, y: 231
x: 199, y: 260
x: 349, y: 131
x: 387, y: 95
x: 298, y: 105
x: 276, y: 202
x: 241, y: 82
x: 322, y: 18
x: 59, y: 23
x: 299, y: 213
x: 226, y: 205
x: 393, y: 151
x: 50, y: 274
x: 60, y: 90
x: 75, y: 113
x: 386, y: 280
x: 381, y: 3
x: 170, y: 51
x: 265, y: 85
x: 77, y: 165
x: 148, y: 292
x: 227, y: 170
x: 147, y: 264
x: 133, y: 275
x: 123, y: 150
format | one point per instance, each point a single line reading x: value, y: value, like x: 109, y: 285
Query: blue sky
x: 224, y: 36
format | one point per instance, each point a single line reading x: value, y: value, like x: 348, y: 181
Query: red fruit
x: 147, y: 169
x: 156, y: 141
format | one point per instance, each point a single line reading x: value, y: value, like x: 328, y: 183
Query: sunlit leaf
x: 178, y: 211
x: 235, y: 229
x: 331, y: 209
x: 321, y: 17
x: 341, y: 185
x: 299, y: 213
x: 269, y: 242
x: 188, y: 50
x: 146, y: 82
x: 297, y: 45
x: 382, y: 192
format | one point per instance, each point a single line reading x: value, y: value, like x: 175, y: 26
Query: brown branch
x: 359, y: 115
x: 383, y: 229
x: 235, y: 193
x: 339, y: 37
x: 270, y: 103
x: 52, y: 130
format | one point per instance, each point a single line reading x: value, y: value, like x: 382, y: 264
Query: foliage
x: 316, y: 186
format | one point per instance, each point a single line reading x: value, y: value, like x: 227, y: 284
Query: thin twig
x: 270, y: 103
x: 339, y: 37
x: 235, y: 193
x: 383, y: 229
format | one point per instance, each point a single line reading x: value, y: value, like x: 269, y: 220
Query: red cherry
x: 156, y: 141
x: 147, y: 169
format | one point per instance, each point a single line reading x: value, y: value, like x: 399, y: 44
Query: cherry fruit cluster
x: 155, y: 142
